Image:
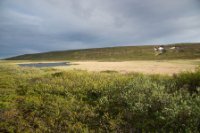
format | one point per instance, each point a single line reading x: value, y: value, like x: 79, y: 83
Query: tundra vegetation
x: 51, y: 100
x: 123, y: 53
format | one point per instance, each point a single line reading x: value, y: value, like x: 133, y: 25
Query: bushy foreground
x: 48, y: 100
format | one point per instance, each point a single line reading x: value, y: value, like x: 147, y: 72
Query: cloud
x: 47, y: 25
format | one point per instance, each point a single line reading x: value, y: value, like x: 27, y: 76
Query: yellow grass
x: 147, y: 67
x: 168, y: 67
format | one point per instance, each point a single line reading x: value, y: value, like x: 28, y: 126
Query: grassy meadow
x: 52, y: 100
x: 164, y: 67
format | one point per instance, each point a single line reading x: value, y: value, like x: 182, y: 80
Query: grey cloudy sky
x: 29, y: 26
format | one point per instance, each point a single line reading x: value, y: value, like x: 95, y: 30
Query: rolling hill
x: 184, y: 51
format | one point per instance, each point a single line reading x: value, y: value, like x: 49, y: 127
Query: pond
x: 49, y: 64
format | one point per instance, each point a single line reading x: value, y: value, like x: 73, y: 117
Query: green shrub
x: 188, y: 80
x: 48, y: 100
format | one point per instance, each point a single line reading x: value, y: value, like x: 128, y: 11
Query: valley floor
x: 147, y: 67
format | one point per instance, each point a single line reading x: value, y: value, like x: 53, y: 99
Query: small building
x: 176, y: 48
x: 173, y: 48
x: 159, y: 49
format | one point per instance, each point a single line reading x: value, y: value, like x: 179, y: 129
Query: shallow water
x: 53, y: 64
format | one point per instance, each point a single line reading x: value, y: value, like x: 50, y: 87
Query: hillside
x: 185, y: 51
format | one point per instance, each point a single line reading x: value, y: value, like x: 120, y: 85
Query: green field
x: 187, y: 51
x: 51, y: 100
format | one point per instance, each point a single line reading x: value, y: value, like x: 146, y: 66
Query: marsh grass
x: 50, y: 100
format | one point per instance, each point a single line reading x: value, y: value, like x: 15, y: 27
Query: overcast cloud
x: 29, y: 26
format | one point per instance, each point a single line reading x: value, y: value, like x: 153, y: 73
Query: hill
x: 184, y: 51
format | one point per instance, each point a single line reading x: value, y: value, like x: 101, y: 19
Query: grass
x: 148, y: 67
x: 51, y: 100
x: 188, y: 51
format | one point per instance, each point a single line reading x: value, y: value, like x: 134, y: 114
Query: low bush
x: 188, y: 80
x: 48, y: 100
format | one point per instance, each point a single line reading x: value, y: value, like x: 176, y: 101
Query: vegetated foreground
x: 50, y: 100
x: 180, y: 51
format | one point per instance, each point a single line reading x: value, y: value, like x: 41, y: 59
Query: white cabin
x: 173, y: 48
x: 160, y: 48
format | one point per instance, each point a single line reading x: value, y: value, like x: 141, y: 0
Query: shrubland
x: 50, y: 100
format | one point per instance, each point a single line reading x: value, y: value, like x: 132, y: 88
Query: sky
x: 32, y: 26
